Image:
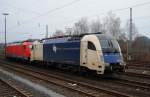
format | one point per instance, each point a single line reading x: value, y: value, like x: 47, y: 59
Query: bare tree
x: 96, y: 26
x: 111, y: 25
x: 81, y: 26
x: 58, y: 33
x: 68, y: 31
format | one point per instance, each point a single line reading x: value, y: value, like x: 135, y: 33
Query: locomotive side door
x: 83, y: 53
x: 92, y: 56
x: 32, y: 52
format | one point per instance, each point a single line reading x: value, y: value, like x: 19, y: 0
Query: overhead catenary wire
x: 48, y: 12
x: 69, y: 4
x: 119, y: 9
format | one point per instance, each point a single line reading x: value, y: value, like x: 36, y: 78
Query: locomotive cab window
x: 91, y: 46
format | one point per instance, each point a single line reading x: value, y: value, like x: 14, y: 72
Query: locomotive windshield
x: 108, y: 44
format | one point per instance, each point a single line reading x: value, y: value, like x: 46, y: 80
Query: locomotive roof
x: 30, y: 40
x: 61, y: 40
x: 77, y: 37
x: 74, y: 37
x: 19, y: 42
x: 105, y: 37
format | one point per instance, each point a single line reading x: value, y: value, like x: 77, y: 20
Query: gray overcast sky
x: 28, y: 18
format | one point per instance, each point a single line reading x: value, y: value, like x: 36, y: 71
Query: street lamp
x: 5, y: 14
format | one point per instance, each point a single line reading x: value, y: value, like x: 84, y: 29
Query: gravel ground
x: 36, y: 87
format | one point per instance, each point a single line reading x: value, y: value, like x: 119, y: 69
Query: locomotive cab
x: 101, y: 52
x: 111, y: 53
x: 91, y: 54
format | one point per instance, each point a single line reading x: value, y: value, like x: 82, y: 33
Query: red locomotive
x: 19, y: 50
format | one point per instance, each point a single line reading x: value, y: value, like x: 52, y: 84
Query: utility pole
x: 130, y: 24
x: 46, y: 35
x: 130, y: 35
x: 5, y: 14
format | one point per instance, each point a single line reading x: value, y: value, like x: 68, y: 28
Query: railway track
x: 139, y: 68
x: 81, y: 87
x: 137, y: 75
x: 97, y: 90
x: 8, y: 90
x: 135, y: 84
x: 124, y: 81
x: 142, y: 65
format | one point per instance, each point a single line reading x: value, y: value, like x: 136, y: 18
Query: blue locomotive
x: 89, y: 52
